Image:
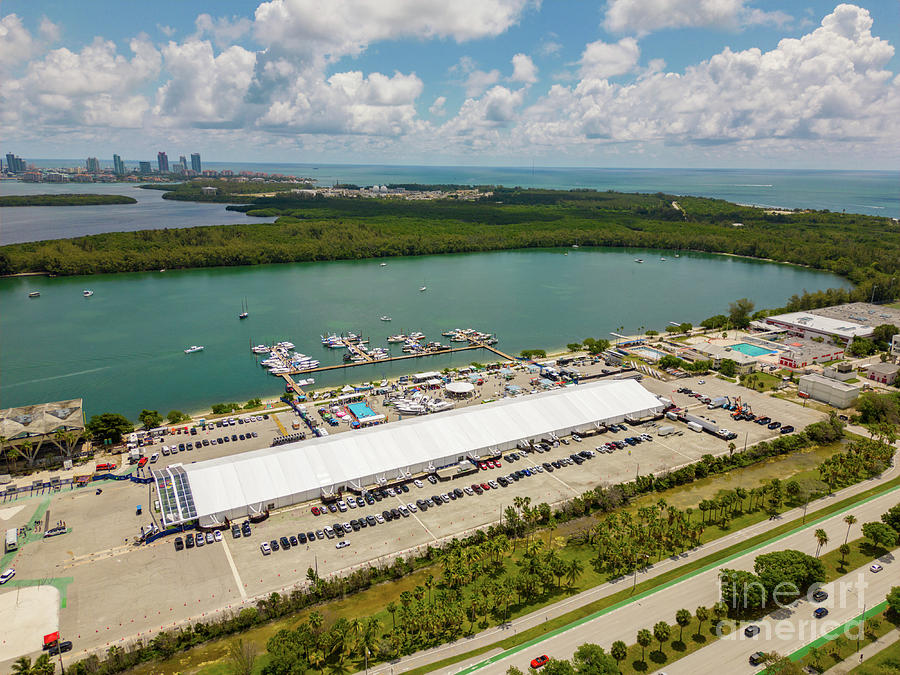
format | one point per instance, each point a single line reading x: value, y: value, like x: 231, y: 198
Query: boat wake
x: 57, y: 377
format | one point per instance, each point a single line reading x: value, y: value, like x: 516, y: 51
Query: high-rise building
x: 195, y: 162
x: 118, y: 166
x: 162, y: 159
x: 182, y: 164
x: 92, y: 165
x: 14, y: 164
x: 145, y: 167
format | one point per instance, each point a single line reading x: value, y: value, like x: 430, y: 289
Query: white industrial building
x: 833, y: 392
x: 809, y: 325
x: 254, y: 482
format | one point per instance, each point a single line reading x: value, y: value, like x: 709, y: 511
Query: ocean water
x: 871, y: 192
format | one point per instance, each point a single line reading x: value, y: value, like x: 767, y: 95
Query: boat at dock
x: 194, y: 348
x: 87, y: 292
x: 261, y: 349
x: 400, y: 337
x: 34, y: 294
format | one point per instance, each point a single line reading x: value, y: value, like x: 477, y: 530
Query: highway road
x: 701, y: 588
x: 788, y: 629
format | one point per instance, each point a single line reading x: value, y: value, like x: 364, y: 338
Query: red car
x: 483, y: 466
x: 485, y: 486
x: 497, y: 464
x: 540, y: 661
x: 316, y: 510
x: 108, y: 466
x: 142, y: 461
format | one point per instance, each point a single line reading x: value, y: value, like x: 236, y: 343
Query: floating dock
x: 289, y: 380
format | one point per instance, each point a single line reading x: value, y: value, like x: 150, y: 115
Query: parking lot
x: 104, y: 576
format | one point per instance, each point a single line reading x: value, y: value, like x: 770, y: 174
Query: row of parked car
x: 199, y: 539
x: 742, y: 414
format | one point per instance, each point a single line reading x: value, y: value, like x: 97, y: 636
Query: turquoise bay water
x: 122, y: 349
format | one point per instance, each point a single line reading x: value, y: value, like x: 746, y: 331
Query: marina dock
x: 289, y: 380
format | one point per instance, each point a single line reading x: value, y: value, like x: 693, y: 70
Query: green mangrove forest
x: 864, y: 249
x: 65, y: 200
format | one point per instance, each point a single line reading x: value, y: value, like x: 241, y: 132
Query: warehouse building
x: 833, y: 392
x: 806, y: 325
x: 886, y: 373
x: 255, y: 482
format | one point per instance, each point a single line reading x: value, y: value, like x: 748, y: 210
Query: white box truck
x: 666, y: 431
x: 12, y: 540
x: 693, y: 426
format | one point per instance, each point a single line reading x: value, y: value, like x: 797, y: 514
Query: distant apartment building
x: 14, y: 163
x: 92, y: 165
x: 182, y: 164
x: 118, y: 166
x: 56, y: 177
x: 144, y: 167
x: 162, y: 161
x: 895, y: 347
x: 32, y: 177
x: 195, y: 162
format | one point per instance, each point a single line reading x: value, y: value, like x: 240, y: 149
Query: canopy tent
x: 41, y: 419
x: 235, y: 486
x: 460, y: 388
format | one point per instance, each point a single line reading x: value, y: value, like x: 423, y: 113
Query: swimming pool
x: 361, y: 411
x: 751, y: 350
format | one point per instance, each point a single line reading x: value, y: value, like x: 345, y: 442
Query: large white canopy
x: 235, y: 486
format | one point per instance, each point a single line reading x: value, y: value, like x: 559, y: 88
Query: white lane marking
x: 237, y: 577
x: 413, y: 514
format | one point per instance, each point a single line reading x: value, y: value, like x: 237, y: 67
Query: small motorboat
x: 383, y: 265
x: 386, y: 318
x: 423, y: 289
x: 34, y: 294
x: 638, y: 260
x: 193, y: 348
x: 87, y: 292
x: 662, y: 260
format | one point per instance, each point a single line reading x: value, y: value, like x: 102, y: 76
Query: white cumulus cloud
x: 346, y: 27
x: 524, y: 69
x: 603, y: 59
x: 645, y: 16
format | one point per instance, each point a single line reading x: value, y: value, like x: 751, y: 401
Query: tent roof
x: 262, y: 476
x: 42, y: 418
x: 460, y: 387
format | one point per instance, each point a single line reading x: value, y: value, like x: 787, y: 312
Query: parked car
x: 265, y: 548
x: 60, y: 647
x: 179, y: 543
x: 342, y: 544
x: 7, y: 575
x: 876, y: 568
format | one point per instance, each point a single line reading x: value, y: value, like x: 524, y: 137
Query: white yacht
x: 87, y: 292
x: 400, y: 337
x: 383, y: 265
x: 423, y: 289
x: 386, y: 318
x: 193, y: 348
x: 260, y: 349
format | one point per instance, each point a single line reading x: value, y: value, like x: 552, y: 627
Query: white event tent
x: 252, y: 482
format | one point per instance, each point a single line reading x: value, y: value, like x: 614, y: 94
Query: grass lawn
x: 885, y: 661
x: 861, y: 553
x: 835, y: 651
x: 653, y: 658
x: 762, y: 381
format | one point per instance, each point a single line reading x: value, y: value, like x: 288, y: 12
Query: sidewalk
x: 864, y: 654
x: 495, y: 634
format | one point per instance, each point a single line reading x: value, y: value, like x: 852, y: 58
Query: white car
x: 417, y: 483
x: 379, y: 518
x: 412, y: 507
x: 342, y: 506
x: 876, y: 568
x: 468, y: 490
x: 342, y: 544
x: 264, y: 547
x: 701, y: 381
x: 154, y: 457
x: 351, y: 503
x: 7, y: 575
x: 209, y: 538
x: 217, y: 535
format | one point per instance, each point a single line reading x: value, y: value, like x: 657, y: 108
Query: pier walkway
x: 292, y: 386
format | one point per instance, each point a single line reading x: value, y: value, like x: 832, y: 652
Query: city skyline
x: 632, y: 83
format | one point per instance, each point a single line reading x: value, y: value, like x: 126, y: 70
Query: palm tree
x: 662, y: 632
x: 574, y: 570
x: 43, y: 665
x: 644, y: 638
x: 850, y: 519
x: 22, y: 666
x: 618, y: 651
x: 821, y: 539
x: 682, y: 618
x: 702, y: 614
x: 845, y: 551
x: 392, y: 608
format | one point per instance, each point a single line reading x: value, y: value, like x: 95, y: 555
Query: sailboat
x: 244, y: 310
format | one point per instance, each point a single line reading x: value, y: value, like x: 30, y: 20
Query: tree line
x: 65, y: 200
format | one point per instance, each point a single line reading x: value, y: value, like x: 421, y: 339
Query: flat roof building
x: 895, y: 347
x: 833, y: 392
x: 718, y: 353
x: 809, y: 325
x: 261, y: 480
x: 886, y: 373
x: 798, y: 357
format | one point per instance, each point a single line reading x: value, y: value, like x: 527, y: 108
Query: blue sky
x: 632, y: 83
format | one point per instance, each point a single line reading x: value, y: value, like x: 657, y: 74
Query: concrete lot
x: 114, y: 590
